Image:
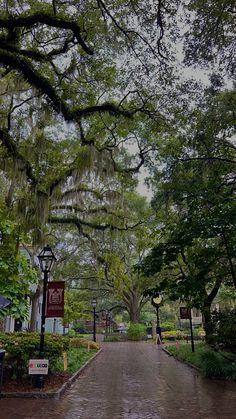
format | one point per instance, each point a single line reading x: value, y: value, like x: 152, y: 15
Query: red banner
x: 184, y: 313
x: 55, y: 299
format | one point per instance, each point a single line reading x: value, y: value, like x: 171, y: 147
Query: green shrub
x: 136, y: 331
x: 184, y: 352
x: 22, y: 346
x: 118, y: 337
x: 212, y: 364
x: 224, y: 326
x: 168, y: 325
x: 178, y: 334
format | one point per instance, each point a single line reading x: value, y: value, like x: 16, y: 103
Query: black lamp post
x: 106, y: 329
x: 94, y: 303
x: 156, y: 301
x: 46, y: 260
x: 110, y: 322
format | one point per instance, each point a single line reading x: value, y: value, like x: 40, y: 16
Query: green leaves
x: 195, y: 206
x: 16, y: 275
x: 210, y: 37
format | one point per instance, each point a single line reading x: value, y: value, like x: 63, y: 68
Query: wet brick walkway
x: 133, y: 381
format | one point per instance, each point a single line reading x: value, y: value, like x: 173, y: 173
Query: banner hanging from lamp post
x: 55, y: 299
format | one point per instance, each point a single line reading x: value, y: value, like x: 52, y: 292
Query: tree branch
x: 11, y: 147
x: 45, y: 19
x: 27, y: 69
x: 79, y: 223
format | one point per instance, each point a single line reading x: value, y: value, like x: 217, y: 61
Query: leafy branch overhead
x: 92, y: 92
x: 51, y: 51
x: 67, y: 115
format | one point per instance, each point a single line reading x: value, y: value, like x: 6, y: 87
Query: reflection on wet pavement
x: 133, y: 381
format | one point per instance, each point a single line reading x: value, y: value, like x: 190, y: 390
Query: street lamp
x: 156, y: 301
x: 46, y: 261
x: 94, y: 303
x: 106, y: 328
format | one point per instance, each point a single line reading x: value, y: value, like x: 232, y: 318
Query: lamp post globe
x: 46, y: 259
x: 94, y: 302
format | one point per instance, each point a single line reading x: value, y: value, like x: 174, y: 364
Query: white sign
x: 38, y: 366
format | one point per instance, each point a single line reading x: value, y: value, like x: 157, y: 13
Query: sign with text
x: 55, y: 299
x: 184, y: 313
x: 38, y: 366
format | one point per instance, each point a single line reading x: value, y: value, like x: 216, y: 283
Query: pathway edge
x: 183, y: 362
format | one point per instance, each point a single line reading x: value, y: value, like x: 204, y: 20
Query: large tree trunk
x: 134, y: 313
x: 34, y: 310
x: 132, y: 302
x: 206, y: 310
x: 207, y: 324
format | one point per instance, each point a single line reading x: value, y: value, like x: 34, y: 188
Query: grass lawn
x: 76, y: 358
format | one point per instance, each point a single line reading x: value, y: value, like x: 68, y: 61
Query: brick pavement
x: 133, y: 381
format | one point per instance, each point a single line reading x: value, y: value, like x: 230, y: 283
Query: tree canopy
x: 91, y: 92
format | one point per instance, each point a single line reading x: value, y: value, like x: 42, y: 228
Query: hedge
x: 22, y: 346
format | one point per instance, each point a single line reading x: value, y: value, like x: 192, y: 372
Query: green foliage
x: 16, y: 274
x: 184, y: 352
x: 77, y: 174
x: 77, y: 357
x: 218, y: 364
x: 177, y: 334
x: 223, y: 332
x: 136, y: 331
x: 167, y: 325
x: 22, y: 346
x: 196, y: 208
x: 72, y: 332
x: 118, y: 337
x: 212, y: 364
x: 210, y: 36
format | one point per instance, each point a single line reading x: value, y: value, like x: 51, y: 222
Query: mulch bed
x: 52, y: 383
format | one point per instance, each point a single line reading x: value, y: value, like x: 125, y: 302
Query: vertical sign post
x: 191, y: 331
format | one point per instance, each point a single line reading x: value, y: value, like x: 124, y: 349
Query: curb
x: 183, y: 362
x: 56, y: 395
x: 166, y: 351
